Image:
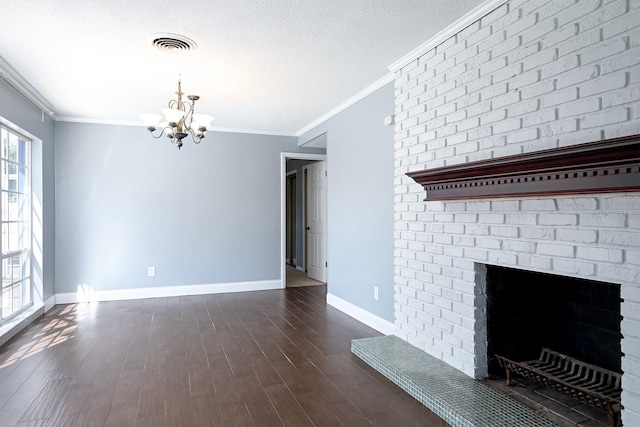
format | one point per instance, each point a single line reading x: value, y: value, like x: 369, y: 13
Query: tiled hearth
x: 456, y: 398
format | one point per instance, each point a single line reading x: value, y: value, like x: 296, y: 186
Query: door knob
x: 308, y: 228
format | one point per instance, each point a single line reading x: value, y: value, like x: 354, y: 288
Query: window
x: 15, y: 203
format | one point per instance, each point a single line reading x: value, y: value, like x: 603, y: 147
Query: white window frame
x: 25, y: 251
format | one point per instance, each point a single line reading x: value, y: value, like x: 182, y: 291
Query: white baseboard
x: 89, y: 295
x: 299, y: 268
x: 50, y: 303
x: 362, y: 315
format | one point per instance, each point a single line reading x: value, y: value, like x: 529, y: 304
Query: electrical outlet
x: 151, y: 272
x: 375, y: 293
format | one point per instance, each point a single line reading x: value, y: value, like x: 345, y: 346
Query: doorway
x: 294, y: 235
x: 291, y: 218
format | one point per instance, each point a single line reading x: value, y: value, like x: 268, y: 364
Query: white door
x: 316, y: 219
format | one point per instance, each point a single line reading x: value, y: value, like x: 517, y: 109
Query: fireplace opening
x: 528, y: 311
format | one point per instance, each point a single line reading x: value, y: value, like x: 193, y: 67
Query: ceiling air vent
x: 172, y: 42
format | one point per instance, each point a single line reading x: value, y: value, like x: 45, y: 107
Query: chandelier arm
x: 159, y: 135
x: 195, y: 136
x: 165, y: 131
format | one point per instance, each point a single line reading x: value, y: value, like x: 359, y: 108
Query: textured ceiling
x: 261, y: 65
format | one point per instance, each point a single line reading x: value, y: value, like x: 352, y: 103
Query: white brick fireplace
x: 528, y: 76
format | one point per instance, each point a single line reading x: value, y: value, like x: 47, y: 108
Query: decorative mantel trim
x: 611, y: 165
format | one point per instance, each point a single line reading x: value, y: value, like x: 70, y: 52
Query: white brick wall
x: 531, y: 75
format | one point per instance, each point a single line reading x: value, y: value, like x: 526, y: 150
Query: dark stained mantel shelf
x: 607, y: 166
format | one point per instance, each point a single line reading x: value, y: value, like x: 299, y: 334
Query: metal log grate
x: 585, y: 382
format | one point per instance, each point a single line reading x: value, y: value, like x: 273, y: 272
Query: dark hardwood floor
x: 266, y: 358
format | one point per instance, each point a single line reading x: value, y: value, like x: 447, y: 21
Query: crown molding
x: 453, y: 29
x: 71, y: 119
x: 137, y: 123
x: 253, y: 131
x: 440, y: 37
x: 348, y: 103
x: 17, y: 81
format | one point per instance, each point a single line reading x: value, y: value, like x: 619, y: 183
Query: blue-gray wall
x: 18, y: 110
x: 209, y: 213
x: 360, y: 205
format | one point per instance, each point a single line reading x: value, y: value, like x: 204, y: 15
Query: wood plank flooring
x: 268, y: 358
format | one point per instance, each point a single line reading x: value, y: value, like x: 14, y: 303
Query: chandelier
x: 181, y: 120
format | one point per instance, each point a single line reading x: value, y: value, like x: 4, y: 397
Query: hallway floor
x: 297, y: 278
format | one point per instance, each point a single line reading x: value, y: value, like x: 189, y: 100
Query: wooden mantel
x: 611, y: 165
